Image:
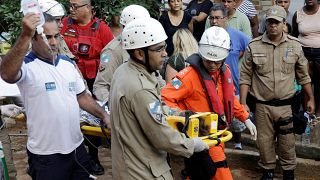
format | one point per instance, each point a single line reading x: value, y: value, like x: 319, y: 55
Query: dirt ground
x: 242, y: 167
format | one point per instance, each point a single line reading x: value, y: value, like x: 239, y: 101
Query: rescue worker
x: 272, y: 62
x: 113, y: 55
x: 85, y: 36
x: 239, y: 42
x: 141, y: 137
x: 206, y: 86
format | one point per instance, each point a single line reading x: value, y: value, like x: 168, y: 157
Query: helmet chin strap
x: 147, y: 60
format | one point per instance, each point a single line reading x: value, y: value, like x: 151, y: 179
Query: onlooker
x: 141, y: 137
x: 206, y: 86
x: 173, y: 20
x: 184, y: 45
x: 285, y: 4
x: 239, y: 43
x: 115, y: 25
x: 236, y: 19
x: 306, y: 28
x: 85, y: 36
x: 272, y: 62
x: 52, y: 91
x: 199, y: 10
x: 113, y: 55
x: 246, y: 7
x: 165, y: 5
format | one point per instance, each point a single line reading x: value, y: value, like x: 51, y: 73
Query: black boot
x: 267, y: 174
x: 288, y: 174
x: 96, y: 167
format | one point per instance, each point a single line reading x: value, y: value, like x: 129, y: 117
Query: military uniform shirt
x: 141, y: 137
x: 270, y: 69
x: 112, y: 56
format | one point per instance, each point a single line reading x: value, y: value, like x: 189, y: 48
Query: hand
x: 252, y: 128
x: 10, y: 110
x: 107, y: 121
x: 199, y: 145
x: 310, y: 106
x: 246, y: 107
x: 29, y: 23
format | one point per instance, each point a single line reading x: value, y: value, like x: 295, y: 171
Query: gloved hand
x: 252, y: 128
x: 10, y: 110
x: 199, y: 145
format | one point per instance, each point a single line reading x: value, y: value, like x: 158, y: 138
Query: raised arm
x: 12, y: 61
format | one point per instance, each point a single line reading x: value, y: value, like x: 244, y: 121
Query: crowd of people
x: 199, y: 56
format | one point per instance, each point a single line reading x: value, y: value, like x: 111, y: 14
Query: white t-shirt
x: 50, y: 93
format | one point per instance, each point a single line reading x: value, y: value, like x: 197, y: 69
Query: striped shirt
x: 247, y: 8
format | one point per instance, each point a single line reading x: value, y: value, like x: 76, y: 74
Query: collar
x: 265, y: 39
x: 235, y: 14
x: 144, y: 72
x: 33, y: 55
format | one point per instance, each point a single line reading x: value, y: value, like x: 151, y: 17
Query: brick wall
x: 262, y: 5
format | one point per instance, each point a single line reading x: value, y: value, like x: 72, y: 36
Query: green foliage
x: 104, y: 9
x: 11, y: 17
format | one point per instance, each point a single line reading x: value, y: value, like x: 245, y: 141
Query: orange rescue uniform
x: 185, y: 92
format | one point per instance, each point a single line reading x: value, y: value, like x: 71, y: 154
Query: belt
x: 277, y: 102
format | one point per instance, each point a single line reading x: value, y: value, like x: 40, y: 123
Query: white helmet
x: 132, y: 12
x: 142, y: 32
x: 52, y: 7
x: 214, y: 44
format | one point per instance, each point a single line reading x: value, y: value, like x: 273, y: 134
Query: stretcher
x: 209, y: 120
x: 196, y: 122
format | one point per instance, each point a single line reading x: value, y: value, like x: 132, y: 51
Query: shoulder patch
x: 105, y: 56
x: 176, y: 83
x: 156, y: 111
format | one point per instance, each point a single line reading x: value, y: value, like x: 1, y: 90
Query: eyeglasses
x: 215, y: 17
x: 59, y: 19
x: 159, y: 49
x: 75, y: 6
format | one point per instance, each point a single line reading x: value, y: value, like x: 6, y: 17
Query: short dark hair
x: 219, y: 7
x: 49, y: 17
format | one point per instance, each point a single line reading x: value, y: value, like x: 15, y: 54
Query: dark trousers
x: 72, y: 166
x: 93, y: 142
